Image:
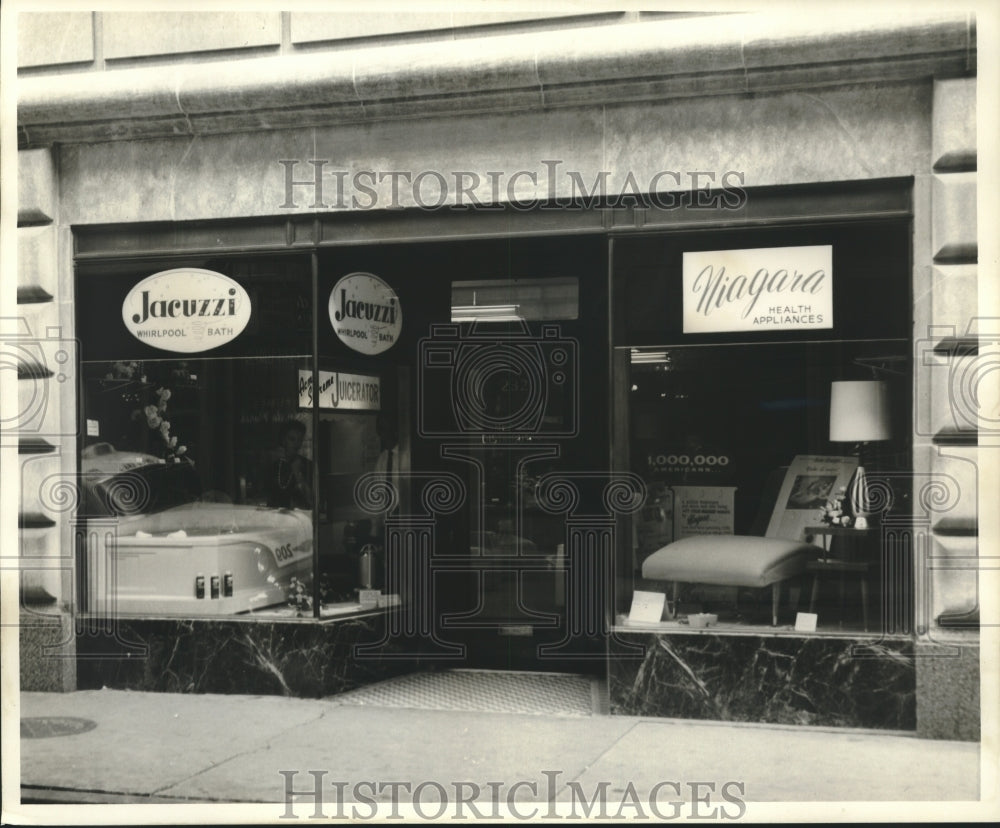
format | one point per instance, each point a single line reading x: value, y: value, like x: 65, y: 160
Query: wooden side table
x: 851, y: 564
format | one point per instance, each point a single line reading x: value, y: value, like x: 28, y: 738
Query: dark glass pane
x: 204, y: 467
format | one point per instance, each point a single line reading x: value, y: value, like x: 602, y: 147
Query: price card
x: 805, y: 621
x: 647, y: 606
x: 369, y: 597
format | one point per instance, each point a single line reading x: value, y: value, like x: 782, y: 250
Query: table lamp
x: 859, y: 414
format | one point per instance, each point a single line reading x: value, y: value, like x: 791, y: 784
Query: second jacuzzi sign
x: 365, y: 313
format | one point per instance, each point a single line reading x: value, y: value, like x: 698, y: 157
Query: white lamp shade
x: 859, y: 412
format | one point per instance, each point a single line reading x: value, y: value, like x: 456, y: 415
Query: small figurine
x: 833, y: 512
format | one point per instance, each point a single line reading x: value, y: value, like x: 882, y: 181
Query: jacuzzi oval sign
x: 365, y: 313
x: 186, y: 310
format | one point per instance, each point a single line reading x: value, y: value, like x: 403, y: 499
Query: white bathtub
x: 243, y: 556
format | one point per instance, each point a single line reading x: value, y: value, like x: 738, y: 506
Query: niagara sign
x: 758, y: 289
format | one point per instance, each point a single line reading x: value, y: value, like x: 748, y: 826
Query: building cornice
x: 601, y: 65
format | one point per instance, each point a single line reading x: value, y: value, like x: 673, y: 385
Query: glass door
x: 506, y: 342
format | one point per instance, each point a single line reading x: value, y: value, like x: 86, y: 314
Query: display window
x: 213, y: 480
x: 205, y: 467
x: 255, y: 424
x: 243, y: 405
x: 732, y: 348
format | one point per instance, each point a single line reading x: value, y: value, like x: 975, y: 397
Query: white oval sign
x: 365, y: 313
x: 186, y: 310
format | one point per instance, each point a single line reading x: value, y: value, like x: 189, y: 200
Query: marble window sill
x: 757, y: 630
x: 281, y: 615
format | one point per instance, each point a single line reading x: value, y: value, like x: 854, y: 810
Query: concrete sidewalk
x: 154, y: 747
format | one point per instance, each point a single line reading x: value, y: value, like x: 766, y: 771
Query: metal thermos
x: 366, y: 566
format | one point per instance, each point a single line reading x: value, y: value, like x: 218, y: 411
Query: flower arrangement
x: 298, y: 591
x: 833, y: 512
x: 130, y: 378
x: 122, y: 370
x: 299, y: 596
x: 154, y: 413
x: 155, y: 419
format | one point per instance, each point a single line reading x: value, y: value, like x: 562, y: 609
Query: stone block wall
x: 950, y: 340
x: 84, y: 41
x: 41, y: 337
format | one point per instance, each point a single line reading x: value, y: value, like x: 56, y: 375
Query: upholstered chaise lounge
x: 734, y: 560
x: 730, y: 560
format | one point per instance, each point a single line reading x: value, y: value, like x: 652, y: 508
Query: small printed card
x: 703, y: 510
x: 805, y: 621
x: 369, y: 597
x: 647, y: 606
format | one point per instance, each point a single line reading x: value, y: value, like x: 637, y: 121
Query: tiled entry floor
x: 486, y: 691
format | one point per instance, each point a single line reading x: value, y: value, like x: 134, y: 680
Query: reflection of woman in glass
x: 289, y: 484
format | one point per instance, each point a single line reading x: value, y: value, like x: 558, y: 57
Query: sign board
x: 680, y: 462
x: 703, y: 510
x: 655, y: 522
x: 344, y: 392
x: 758, y: 289
x: 809, y: 482
x: 365, y: 313
x: 186, y: 310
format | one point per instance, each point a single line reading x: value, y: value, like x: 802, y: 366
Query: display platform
x: 245, y: 655
x: 843, y: 681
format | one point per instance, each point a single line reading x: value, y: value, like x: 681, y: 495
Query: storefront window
x: 717, y: 457
x: 729, y: 345
x: 206, y: 468
x: 221, y: 457
x: 359, y: 429
x: 196, y: 461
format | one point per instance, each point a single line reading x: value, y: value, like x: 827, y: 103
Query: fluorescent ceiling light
x: 643, y: 357
x: 485, y: 313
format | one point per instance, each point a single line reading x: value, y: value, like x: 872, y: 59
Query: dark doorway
x: 507, y: 344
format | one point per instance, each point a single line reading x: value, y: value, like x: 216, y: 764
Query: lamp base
x: 857, y: 496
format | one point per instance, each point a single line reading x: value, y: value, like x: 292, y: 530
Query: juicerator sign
x: 186, y: 310
x: 758, y: 289
x: 351, y: 392
x: 365, y: 313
